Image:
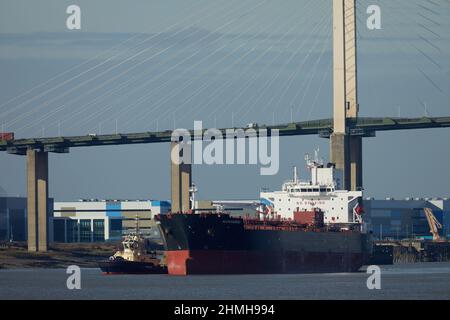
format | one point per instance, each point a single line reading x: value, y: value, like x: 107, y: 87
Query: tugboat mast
x: 137, y: 224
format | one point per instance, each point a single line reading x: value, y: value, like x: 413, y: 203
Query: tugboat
x: 133, y: 258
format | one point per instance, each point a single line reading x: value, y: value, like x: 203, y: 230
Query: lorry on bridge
x: 6, y: 136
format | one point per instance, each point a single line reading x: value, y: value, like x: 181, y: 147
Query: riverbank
x: 59, y: 255
x: 415, y: 251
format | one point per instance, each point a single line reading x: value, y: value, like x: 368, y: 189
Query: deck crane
x: 434, y: 224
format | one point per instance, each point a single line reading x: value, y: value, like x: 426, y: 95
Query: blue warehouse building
x: 405, y: 218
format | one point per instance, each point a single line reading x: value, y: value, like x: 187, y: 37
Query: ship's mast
x: 295, y: 175
x: 316, y: 156
x: 193, y: 190
x: 137, y: 223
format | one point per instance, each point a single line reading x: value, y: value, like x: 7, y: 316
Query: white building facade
x: 102, y: 220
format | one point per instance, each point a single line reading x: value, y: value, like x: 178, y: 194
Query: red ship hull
x: 184, y: 262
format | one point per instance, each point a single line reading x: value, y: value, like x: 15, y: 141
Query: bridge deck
x: 324, y: 127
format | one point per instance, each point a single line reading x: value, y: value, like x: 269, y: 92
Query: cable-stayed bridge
x: 345, y: 130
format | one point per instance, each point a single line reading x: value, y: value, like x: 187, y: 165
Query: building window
x: 72, y: 230
x: 99, y: 230
x: 85, y: 230
x: 115, y: 228
x: 58, y: 230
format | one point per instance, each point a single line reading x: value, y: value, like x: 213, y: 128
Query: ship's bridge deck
x: 309, y: 190
x: 307, y: 187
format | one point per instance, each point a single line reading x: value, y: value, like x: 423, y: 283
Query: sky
x: 155, y: 65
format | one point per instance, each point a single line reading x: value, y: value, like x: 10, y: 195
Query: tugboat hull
x: 131, y: 267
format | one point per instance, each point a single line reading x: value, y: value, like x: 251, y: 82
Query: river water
x: 407, y: 281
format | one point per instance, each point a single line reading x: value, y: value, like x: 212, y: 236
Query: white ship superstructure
x: 322, y: 191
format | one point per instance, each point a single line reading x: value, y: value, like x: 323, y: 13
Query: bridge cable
x: 179, y: 89
x: 230, y: 81
x: 256, y: 76
x: 151, y: 80
x: 271, y: 80
x: 115, y: 77
x: 4, y: 114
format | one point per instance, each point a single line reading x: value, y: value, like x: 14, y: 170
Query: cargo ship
x: 293, y: 232
x: 133, y: 258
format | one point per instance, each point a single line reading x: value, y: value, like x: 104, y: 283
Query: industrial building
x: 405, y: 218
x: 102, y: 220
x: 13, y: 218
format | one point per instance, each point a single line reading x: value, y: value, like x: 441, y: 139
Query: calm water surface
x: 409, y: 281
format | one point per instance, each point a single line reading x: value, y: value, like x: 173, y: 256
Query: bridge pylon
x: 345, y: 149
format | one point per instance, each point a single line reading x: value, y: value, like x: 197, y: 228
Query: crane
x: 434, y: 224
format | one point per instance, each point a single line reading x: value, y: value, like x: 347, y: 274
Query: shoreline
x: 85, y: 255
x: 59, y: 255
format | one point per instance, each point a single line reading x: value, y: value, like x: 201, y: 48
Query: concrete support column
x: 356, y: 170
x: 181, y: 179
x: 339, y: 155
x: 186, y: 182
x: 37, y: 203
